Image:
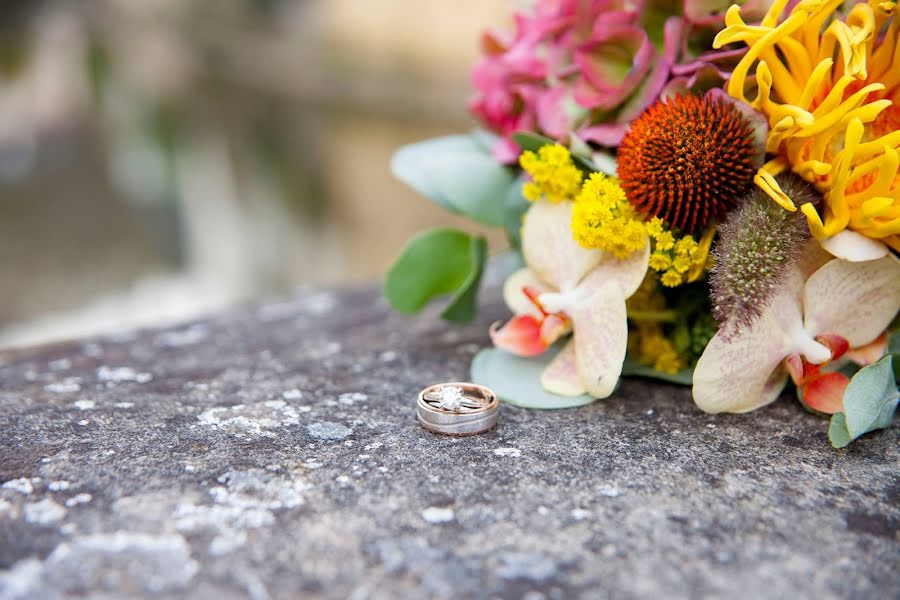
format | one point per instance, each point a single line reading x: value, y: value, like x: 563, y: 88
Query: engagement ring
x: 457, y: 408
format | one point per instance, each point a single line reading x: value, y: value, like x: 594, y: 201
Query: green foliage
x: 517, y: 380
x: 435, y: 263
x: 516, y: 206
x: 870, y: 401
x: 458, y: 173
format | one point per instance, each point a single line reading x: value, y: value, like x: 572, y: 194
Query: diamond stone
x: 450, y: 398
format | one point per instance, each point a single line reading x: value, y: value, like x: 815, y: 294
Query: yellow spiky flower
x: 829, y: 86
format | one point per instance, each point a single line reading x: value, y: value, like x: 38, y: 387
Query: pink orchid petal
x: 549, y: 248
x: 855, y: 300
x: 794, y: 366
x: 836, y: 343
x: 601, y: 334
x: 626, y: 273
x: 742, y: 370
x: 825, y: 393
x: 870, y: 353
x: 514, y: 292
x: 520, y: 336
x: 554, y: 327
x: 561, y: 375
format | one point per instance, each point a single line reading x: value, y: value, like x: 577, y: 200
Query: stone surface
x: 273, y: 452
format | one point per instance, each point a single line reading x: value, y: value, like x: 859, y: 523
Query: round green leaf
x: 517, y: 380
x: 459, y: 173
x: 871, y: 398
x: 436, y: 263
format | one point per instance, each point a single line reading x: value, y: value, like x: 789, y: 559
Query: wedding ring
x: 457, y: 408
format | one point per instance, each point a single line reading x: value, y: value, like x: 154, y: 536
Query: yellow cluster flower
x: 658, y: 351
x: 679, y: 260
x: 602, y: 218
x: 553, y: 174
x: 646, y: 341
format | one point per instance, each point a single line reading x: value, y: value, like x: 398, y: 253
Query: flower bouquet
x: 709, y: 198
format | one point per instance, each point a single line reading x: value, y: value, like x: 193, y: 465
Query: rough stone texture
x: 273, y: 452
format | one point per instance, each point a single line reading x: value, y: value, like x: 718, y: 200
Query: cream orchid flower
x: 566, y: 287
x: 827, y: 305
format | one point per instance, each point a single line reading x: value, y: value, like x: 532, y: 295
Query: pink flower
x: 590, y: 67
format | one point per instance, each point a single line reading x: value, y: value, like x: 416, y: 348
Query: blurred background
x: 162, y: 159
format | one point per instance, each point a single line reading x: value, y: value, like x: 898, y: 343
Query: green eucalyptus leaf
x: 517, y: 380
x: 457, y: 172
x: 435, y: 263
x: 871, y: 398
x: 475, y: 184
x: 894, y: 350
x: 464, y: 304
x: 870, y: 401
x: 632, y: 368
x: 516, y: 207
x: 837, y: 431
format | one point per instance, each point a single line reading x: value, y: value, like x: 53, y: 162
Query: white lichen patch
x: 43, y: 512
x: 21, y: 485
x: 351, y: 398
x: 608, y: 491
x: 6, y: 507
x: 245, y: 500
x: 258, y: 489
x: 69, y: 385
x: 148, y: 564
x: 84, y: 404
x: 251, y: 419
x: 63, y: 364
x: 124, y: 404
x: 580, y: 514
x: 58, y: 486
x: 182, y: 337
x: 438, y: 514
x: 122, y: 374
x: 328, y: 431
x: 513, y: 452
x: 77, y: 499
x: 293, y: 394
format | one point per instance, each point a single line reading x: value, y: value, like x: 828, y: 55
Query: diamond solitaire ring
x: 457, y: 408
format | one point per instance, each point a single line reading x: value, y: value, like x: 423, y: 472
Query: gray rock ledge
x: 272, y: 452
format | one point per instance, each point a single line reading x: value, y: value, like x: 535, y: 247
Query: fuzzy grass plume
x: 757, y: 243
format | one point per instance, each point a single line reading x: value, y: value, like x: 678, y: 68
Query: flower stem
x: 660, y: 316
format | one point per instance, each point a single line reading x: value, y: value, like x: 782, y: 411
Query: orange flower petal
x: 520, y: 336
x: 825, y: 393
x: 871, y: 352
